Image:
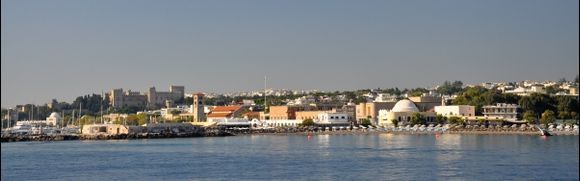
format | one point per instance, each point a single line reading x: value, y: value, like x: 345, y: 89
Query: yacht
x: 20, y: 128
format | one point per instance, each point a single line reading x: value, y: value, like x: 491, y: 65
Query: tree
x: 132, y: 120
x: 91, y: 103
x: 440, y: 119
x: 530, y: 117
x: 418, y: 91
x: 142, y: 119
x: 565, y: 105
x: 449, y: 88
x: 417, y: 118
x: 175, y: 112
x: 475, y: 96
x: 480, y: 121
x: 536, y: 102
x: 395, y: 122
x: 308, y: 122
x: 455, y: 120
x: 547, y: 117
x: 563, y: 114
x: 574, y: 115
x: 365, y: 122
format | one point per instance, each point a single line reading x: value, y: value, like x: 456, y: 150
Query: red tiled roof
x: 226, y: 108
x: 252, y: 113
x: 218, y: 115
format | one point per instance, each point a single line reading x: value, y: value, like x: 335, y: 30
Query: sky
x: 67, y: 48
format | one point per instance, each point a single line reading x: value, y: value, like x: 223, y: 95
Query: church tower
x: 198, y: 107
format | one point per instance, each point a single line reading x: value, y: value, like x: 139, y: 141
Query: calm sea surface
x: 322, y: 157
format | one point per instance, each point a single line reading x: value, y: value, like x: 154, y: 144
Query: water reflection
x: 448, y: 155
x: 323, y: 142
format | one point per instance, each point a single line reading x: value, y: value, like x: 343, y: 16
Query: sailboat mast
x: 62, y: 121
x: 72, y: 119
x: 80, y: 110
x: 9, y: 116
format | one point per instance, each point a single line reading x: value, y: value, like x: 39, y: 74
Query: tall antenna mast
x: 265, y: 102
x: 102, y: 97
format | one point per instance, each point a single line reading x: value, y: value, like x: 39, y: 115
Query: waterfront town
x: 524, y: 107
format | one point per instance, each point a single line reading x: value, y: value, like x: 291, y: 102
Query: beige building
x: 402, y: 112
x: 118, y: 98
x: 158, y: 99
x: 152, y: 98
x: 286, y: 112
x: 115, y: 117
x: 426, y: 103
x: 300, y: 112
x: 371, y: 110
x: 455, y: 110
x: 109, y: 129
x: 573, y: 90
x: 302, y: 115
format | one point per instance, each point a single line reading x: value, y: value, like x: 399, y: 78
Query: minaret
x: 198, y: 105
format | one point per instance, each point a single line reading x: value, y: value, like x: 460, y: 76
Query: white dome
x: 54, y: 115
x: 405, y: 105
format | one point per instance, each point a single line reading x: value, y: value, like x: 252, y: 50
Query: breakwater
x: 199, y: 133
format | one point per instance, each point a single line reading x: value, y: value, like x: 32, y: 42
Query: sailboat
x: 543, y: 132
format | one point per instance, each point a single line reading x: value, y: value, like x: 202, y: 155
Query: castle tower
x: 152, y: 97
x: 198, y: 106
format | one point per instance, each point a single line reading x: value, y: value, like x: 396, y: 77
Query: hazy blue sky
x: 63, y: 49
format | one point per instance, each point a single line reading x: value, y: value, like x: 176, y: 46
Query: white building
x: 455, y: 110
x: 54, y: 119
x: 502, y: 110
x: 255, y: 123
x: 330, y: 118
x: 526, y: 91
x: 385, y: 98
x: 402, y: 113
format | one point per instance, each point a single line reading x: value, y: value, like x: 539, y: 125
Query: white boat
x: 20, y: 128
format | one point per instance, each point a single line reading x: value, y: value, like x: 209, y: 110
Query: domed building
x: 402, y: 112
x: 405, y: 105
x: 54, y: 119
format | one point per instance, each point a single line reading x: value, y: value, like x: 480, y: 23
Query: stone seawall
x: 206, y: 133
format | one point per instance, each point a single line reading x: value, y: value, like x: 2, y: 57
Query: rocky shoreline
x: 19, y: 138
x: 220, y: 133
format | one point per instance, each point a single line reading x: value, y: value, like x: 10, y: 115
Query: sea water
x: 298, y: 157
